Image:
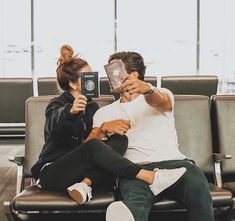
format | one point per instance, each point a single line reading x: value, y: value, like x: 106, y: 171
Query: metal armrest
x: 19, y: 160
x: 218, y: 158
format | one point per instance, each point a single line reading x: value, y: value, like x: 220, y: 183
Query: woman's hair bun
x: 66, y: 54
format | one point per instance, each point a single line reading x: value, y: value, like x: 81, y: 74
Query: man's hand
x: 79, y: 104
x: 133, y: 85
x: 116, y: 126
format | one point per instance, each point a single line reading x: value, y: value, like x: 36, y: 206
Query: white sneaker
x: 118, y: 211
x: 165, y: 178
x: 80, y: 192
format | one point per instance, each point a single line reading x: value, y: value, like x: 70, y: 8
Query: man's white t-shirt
x: 152, y: 136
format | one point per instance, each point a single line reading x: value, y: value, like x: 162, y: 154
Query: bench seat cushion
x: 34, y: 199
x: 230, y: 186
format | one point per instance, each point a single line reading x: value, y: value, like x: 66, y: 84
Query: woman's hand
x: 79, y: 104
x: 119, y: 126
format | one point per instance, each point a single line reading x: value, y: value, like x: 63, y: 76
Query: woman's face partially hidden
x: 76, y: 86
x: 86, y: 69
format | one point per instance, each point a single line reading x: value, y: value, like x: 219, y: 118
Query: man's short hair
x: 133, y: 61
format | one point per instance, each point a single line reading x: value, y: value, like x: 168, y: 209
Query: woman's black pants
x: 89, y: 160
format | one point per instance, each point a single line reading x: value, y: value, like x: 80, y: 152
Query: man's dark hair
x: 132, y: 61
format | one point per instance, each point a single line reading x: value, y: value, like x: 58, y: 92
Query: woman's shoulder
x: 56, y: 102
x: 65, y: 97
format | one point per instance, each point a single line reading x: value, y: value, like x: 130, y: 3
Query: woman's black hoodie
x: 63, y: 131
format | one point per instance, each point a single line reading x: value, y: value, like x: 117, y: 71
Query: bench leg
x: 231, y: 213
x: 8, y: 211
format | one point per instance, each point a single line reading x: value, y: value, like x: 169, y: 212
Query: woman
x: 74, y: 156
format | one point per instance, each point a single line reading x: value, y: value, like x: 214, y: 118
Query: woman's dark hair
x: 69, y: 66
x: 132, y: 61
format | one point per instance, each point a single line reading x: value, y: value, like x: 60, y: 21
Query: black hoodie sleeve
x: 58, y: 117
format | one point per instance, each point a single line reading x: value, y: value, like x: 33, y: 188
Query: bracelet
x: 149, y: 93
x: 151, y: 90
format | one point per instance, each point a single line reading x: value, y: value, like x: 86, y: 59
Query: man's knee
x: 199, y: 194
x: 196, y: 187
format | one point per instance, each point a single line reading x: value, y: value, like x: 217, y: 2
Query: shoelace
x: 83, y: 132
x: 89, y: 194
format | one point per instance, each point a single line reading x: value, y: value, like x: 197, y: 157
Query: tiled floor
x: 8, y: 173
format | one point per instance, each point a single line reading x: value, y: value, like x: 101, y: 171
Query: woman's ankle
x: 87, y: 181
x: 146, y: 175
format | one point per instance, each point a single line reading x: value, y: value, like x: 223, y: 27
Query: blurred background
x: 190, y: 37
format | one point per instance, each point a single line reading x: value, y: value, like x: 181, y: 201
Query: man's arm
x: 160, y: 100
x: 153, y: 97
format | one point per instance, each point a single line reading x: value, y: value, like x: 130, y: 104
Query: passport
x: 89, y: 84
x: 116, y: 73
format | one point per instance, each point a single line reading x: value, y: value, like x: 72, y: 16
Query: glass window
x: 218, y: 42
x: 212, y: 36
x: 164, y: 32
x: 85, y: 25
x: 15, y: 38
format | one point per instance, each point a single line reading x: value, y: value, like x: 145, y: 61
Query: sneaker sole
x: 76, y: 196
x: 173, y: 182
x: 118, y: 211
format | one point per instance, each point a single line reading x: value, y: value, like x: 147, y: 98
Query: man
x: 153, y: 144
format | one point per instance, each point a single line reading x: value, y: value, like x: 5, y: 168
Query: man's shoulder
x: 165, y: 90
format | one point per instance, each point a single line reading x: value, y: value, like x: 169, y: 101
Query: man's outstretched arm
x: 153, y: 96
x: 159, y: 100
